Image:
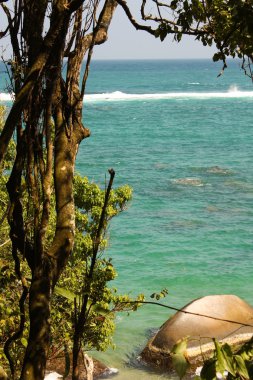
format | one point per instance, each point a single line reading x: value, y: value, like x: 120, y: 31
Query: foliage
x: 99, y: 326
x: 102, y: 299
x: 9, y: 296
x: 160, y: 295
x: 11, y: 151
x: 227, y: 24
x: 179, y: 358
x: 236, y: 364
x: 226, y: 362
x: 46, y: 120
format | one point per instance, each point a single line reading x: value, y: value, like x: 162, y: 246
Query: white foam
x: 118, y: 96
x: 112, y: 371
x: 121, y: 96
x: 4, y: 97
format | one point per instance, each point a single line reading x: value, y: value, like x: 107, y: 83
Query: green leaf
x: 157, y: 33
x: 216, y: 57
x: 24, y: 342
x: 228, y: 357
x: 180, y: 364
x: 224, y: 358
x: 220, y: 360
x: 179, y: 361
x: 208, y: 371
x: 65, y: 293
x: 100, y: 310
x: 241, y: 367
x: 180, y: 347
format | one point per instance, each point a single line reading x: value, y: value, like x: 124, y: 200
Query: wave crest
x: 121, y: 96
x: 5, y: 97
x: 117, y: 96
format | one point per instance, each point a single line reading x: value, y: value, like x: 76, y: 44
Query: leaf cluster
x: 225, y: 24
x: 226, y: 362
x: 234, y: 364
x: 89, y: 200
x: 70, y: 291
x: 11, y: 151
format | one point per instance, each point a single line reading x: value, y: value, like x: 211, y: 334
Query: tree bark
x: 44, y: 99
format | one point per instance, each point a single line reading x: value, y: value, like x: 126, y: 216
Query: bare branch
x: 6, y: 242
x: 132, y: 19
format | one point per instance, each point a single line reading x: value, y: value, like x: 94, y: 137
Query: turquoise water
x: 192, y: 237
x: 182, y: 138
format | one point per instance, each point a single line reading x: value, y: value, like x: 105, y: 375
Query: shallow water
x: 188, y: 159
x: 182, y: 138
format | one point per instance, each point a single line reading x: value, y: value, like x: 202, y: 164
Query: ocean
x: 182, y: 138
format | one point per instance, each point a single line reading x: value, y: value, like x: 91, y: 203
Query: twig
x: 6, y: 242
x: 186, y: 312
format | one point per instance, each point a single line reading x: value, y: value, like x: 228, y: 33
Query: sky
x: 125, y: 42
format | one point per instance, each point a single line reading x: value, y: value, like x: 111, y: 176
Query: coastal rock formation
x: 201, y: 320
x: 56, y: 369
x: 218, y: 170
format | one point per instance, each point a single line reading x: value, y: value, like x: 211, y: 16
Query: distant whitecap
x: 118, y: 96
x: 121, y: 96
x: 4, y: 97
x: 233, y: 89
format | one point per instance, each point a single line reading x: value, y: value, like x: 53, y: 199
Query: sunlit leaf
x: 241, y: 367
x: 180, y: 364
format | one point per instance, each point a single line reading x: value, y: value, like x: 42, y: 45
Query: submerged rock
x: 189, y: 182
x: 217, y: 313
x: 219, y: 170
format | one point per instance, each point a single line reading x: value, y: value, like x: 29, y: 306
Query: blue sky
x: 125, y: 42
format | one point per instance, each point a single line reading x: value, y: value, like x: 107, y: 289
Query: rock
x: 201, y: 329
x: 188, y: 182
x: 57, y: 366
x: 218, y: 170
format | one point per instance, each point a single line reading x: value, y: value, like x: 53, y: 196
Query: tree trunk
x: 42, y: 98
x: 39, y: 308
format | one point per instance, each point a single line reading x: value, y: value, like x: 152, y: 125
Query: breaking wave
x: 5, y: 97
x: 121, y: 96
x: 118, y: 96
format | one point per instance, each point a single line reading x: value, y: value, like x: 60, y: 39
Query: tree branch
x: 132, y: 19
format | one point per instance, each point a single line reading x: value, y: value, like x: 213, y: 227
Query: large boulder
x: 201, y: 320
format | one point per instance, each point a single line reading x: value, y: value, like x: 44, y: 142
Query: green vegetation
x: 103, y: 301
x: 46, y: 207
x: 228, y: 363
